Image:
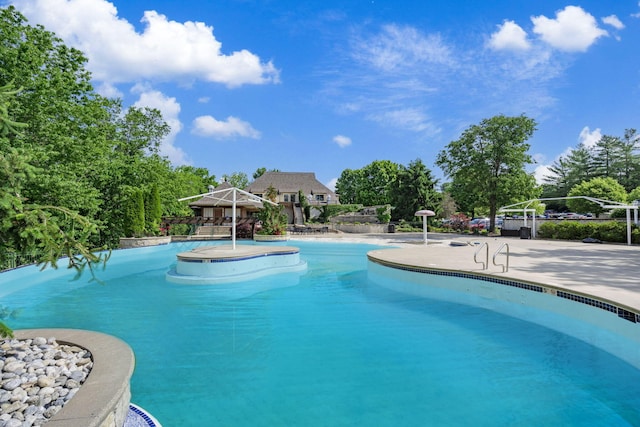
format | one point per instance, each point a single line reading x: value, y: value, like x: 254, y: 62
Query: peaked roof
x: 289, y: 182
x: 225, y: 199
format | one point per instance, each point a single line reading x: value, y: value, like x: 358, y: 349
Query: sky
x: 324, y: 86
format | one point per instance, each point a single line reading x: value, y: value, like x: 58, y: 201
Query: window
x: 319, y: 197
x: 286, y: 197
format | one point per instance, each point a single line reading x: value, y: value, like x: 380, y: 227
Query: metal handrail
x: 505, y: 267
x: 485, y: 264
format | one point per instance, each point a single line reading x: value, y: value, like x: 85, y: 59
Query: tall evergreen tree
x: 415, y: 189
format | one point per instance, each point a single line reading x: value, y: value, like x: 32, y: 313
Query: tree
x: 488, y: 162
x: 274, y: 220
x: 152, y: 210
x: 598, y: 188
x: 372, y: 185
x: 237, y: 179
x: 414, y: 190
x: 348, y: 184
x: 261, y: 171
x: 52, y: 232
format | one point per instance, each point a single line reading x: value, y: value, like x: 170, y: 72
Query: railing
x: 14, y: 260
x: 485, y: 263
x: 505, y: 267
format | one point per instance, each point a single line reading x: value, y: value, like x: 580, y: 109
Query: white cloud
x: 401, y: 47
x: 342, y: 141
x: 589, y: 138
x: 164, y: 50
x: 407, y: 119
x: 613, y: 21
x: 170, y: 110
x: 108, y: 91
x: 540, y: 173
x: 573, y: 30
x: 230, y: 128
x: 331, y: 185
x: 510, y: 36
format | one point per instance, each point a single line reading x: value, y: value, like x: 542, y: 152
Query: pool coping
x: 621, y: 310
x: 103, y: 399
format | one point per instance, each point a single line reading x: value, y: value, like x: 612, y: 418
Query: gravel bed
x: 38, y: 377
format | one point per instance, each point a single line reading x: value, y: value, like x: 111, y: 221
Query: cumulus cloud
x: 342, y: 141
x: 164, y: 50
x: 613, y: 21
x: 573, y: 29
x: 510, y: 36
x: 588, y: 137
x: 223, y: 129
x: 170, y: 109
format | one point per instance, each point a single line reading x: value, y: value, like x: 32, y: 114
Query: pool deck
x: 606, y: 271
x: 228, y: 252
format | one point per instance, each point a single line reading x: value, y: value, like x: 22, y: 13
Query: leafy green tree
x: 370, y: 186
x: 348, y: 184
x: 261, y: 171
x: 51, y: 232
x: 237, y: 179
x: 597, y: 188
x: 488, y: 162
x: 415, y: 189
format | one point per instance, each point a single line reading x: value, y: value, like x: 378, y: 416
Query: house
x: 288, y: 186
x: 213, y: 211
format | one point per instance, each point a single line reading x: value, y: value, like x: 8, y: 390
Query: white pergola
x: 238, y: 196
x: 606, y: 204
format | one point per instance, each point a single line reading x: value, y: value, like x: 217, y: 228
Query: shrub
x: 610, y: 231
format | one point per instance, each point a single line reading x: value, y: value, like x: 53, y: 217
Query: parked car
x: 479, y: 223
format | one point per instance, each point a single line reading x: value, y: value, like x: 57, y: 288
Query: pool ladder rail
x: 485, y: 263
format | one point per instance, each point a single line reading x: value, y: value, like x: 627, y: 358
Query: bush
x: 610, y: 231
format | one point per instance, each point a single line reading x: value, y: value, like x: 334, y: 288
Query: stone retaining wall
x: 139, y: 242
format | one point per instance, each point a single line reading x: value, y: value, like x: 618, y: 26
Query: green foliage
x: 487, y: 164
x: 133, y: 213
x: 598, y: 188
x: 370, y: 186
x: 611, y: 157
x: 384, y: 214
x: 237, y: 179
x: 273, y: 219
x: 610, y: 231
x: 152, y: 210
x: 414, y: 189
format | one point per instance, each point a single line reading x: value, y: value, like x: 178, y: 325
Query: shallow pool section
x: 336, y: 348
x: 215, y: 264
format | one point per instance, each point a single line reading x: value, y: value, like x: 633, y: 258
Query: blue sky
x: 322, y: 86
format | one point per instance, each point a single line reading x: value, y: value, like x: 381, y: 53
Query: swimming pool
x: 327, y: 347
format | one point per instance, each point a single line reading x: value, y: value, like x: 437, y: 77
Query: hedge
x: 612, y: 231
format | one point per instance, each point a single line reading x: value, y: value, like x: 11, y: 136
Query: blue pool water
x: 326, y: 348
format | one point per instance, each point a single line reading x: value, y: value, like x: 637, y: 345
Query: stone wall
x: 139, y: 242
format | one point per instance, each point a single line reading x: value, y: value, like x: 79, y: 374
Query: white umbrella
x: 424, y: 213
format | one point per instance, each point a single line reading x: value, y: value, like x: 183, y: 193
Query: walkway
x: 608, y: 271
